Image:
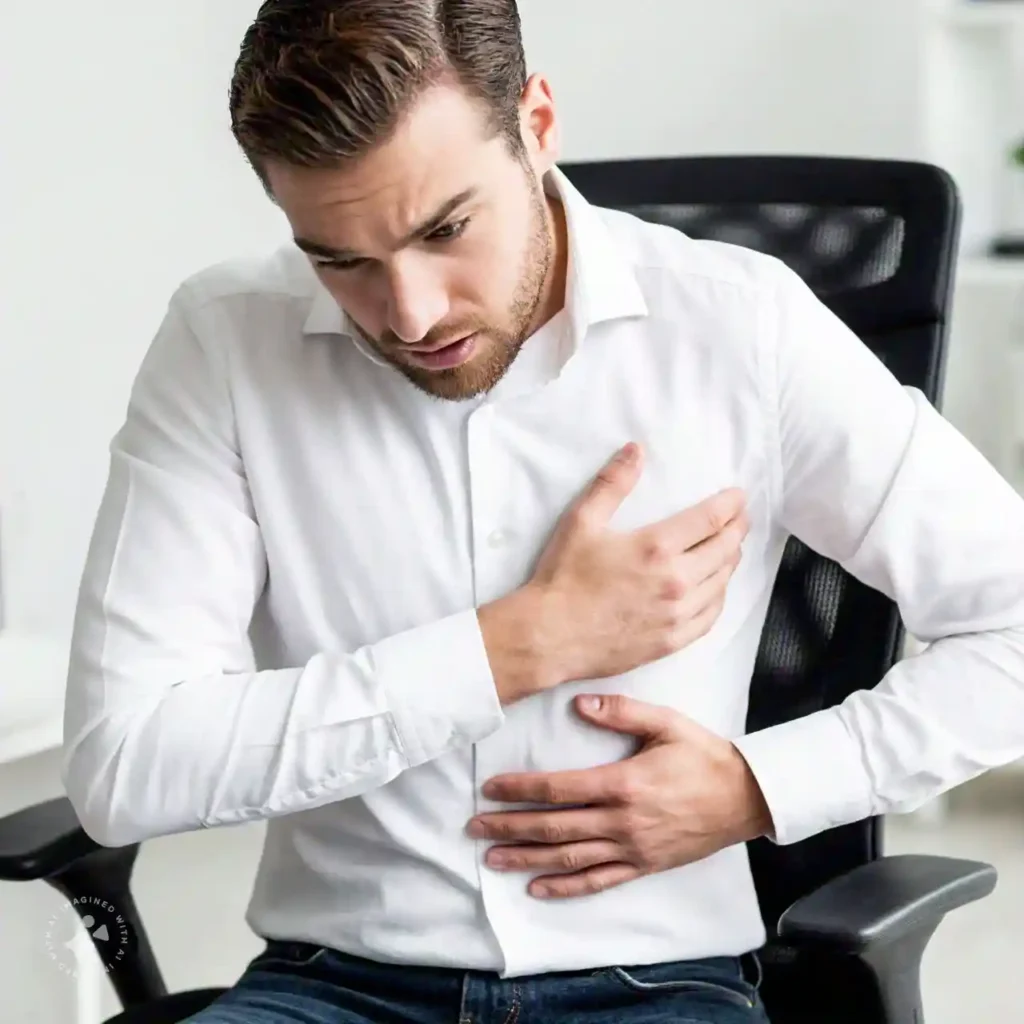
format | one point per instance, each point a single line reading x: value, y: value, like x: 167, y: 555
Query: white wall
x: 118, y: 177
x: 671, y: 77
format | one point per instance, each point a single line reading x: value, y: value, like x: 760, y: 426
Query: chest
x: 382, y: 509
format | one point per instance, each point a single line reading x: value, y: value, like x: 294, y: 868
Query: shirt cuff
x: 439, y: 686
x: 811, y: 773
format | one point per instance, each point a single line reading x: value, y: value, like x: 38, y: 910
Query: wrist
x: 520, y: 643
x: 753, y: 818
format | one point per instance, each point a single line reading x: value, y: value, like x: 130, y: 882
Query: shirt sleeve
x: 873, y: 477
x: 168, y: 725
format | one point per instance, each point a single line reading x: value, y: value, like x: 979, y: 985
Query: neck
x: 553, y: 291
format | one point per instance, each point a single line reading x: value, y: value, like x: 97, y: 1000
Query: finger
x: 704, y: 607
x: 710, y: 554
x: 700, y: 522
x: 628, y: 715
x: 578, y: 787
x: 606, y: 492
x: 710, y: 595
x: 565, y: 859
x: 550, y: 827
x: 586, y: 883
x: 707, y: 569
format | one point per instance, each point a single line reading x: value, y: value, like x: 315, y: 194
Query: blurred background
x: 118, y: 177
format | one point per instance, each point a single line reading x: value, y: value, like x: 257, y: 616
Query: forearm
x: 222, y: 749
x: 937, y: 720
x: 942, y: 718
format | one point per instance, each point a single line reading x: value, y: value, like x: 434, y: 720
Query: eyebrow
x: 432, y: 223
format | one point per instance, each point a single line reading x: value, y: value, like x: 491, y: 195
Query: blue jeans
x: 296, y: 983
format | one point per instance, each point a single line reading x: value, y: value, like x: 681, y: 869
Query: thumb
x: 627, y: 715
x: 607, y: 491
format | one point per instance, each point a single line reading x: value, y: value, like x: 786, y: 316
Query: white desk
x: 33, y: 671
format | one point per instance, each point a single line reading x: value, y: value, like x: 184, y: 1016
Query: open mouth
x: 445, y: 358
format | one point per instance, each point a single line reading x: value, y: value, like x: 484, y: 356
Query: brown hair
x: 321, y: 81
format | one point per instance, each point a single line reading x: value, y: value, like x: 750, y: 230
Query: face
x: 440, y: 245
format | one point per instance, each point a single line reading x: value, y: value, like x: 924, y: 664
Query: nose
x: 418, y: 300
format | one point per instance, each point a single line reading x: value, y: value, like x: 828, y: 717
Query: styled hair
x: 318, y: 82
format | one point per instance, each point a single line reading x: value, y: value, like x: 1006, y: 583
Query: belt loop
x: 464, y: 1015
x: 755, y: 961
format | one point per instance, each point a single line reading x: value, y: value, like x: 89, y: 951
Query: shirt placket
x: 495, y: 538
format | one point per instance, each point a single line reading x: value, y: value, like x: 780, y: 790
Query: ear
x: 538, y: 121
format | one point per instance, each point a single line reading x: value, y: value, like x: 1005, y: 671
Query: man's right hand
x: 602, y: 602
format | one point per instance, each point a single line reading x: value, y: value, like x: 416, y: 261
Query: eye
x: 445, y: 233
x: 338, y: 264
x: 449, y: 232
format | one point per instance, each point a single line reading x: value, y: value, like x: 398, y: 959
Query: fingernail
x: 476, y: 829
x: 627, y: 453
x: 541, y: 892
x: 591, y: 704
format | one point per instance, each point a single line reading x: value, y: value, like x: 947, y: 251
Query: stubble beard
x: 496, y: 348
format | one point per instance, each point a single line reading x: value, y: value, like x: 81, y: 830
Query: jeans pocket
x: 288, y: 956
x: 684, y: 979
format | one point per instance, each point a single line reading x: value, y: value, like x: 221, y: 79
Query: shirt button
x: 499, y: 538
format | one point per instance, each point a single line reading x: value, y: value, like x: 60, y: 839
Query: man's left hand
x: 686, y: 794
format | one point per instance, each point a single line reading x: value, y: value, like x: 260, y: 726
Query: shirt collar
x: 601, y: 282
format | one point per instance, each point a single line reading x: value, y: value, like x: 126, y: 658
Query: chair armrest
x: 42, y: 841
x: 47, y: 842
x: 873, y: 924
x: 885, y: 901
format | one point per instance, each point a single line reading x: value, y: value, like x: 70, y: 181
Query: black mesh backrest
x: 876, y: 240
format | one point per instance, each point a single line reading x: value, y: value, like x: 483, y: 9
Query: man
x: 496, y: 725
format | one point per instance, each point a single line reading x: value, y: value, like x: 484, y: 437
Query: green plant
x: 1017, y: 154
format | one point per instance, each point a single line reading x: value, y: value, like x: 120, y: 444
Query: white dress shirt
x: 274, y: 480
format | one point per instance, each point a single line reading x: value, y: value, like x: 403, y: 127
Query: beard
x: 496, y: 346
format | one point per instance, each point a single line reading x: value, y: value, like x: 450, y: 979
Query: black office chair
x: 847, y: 926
